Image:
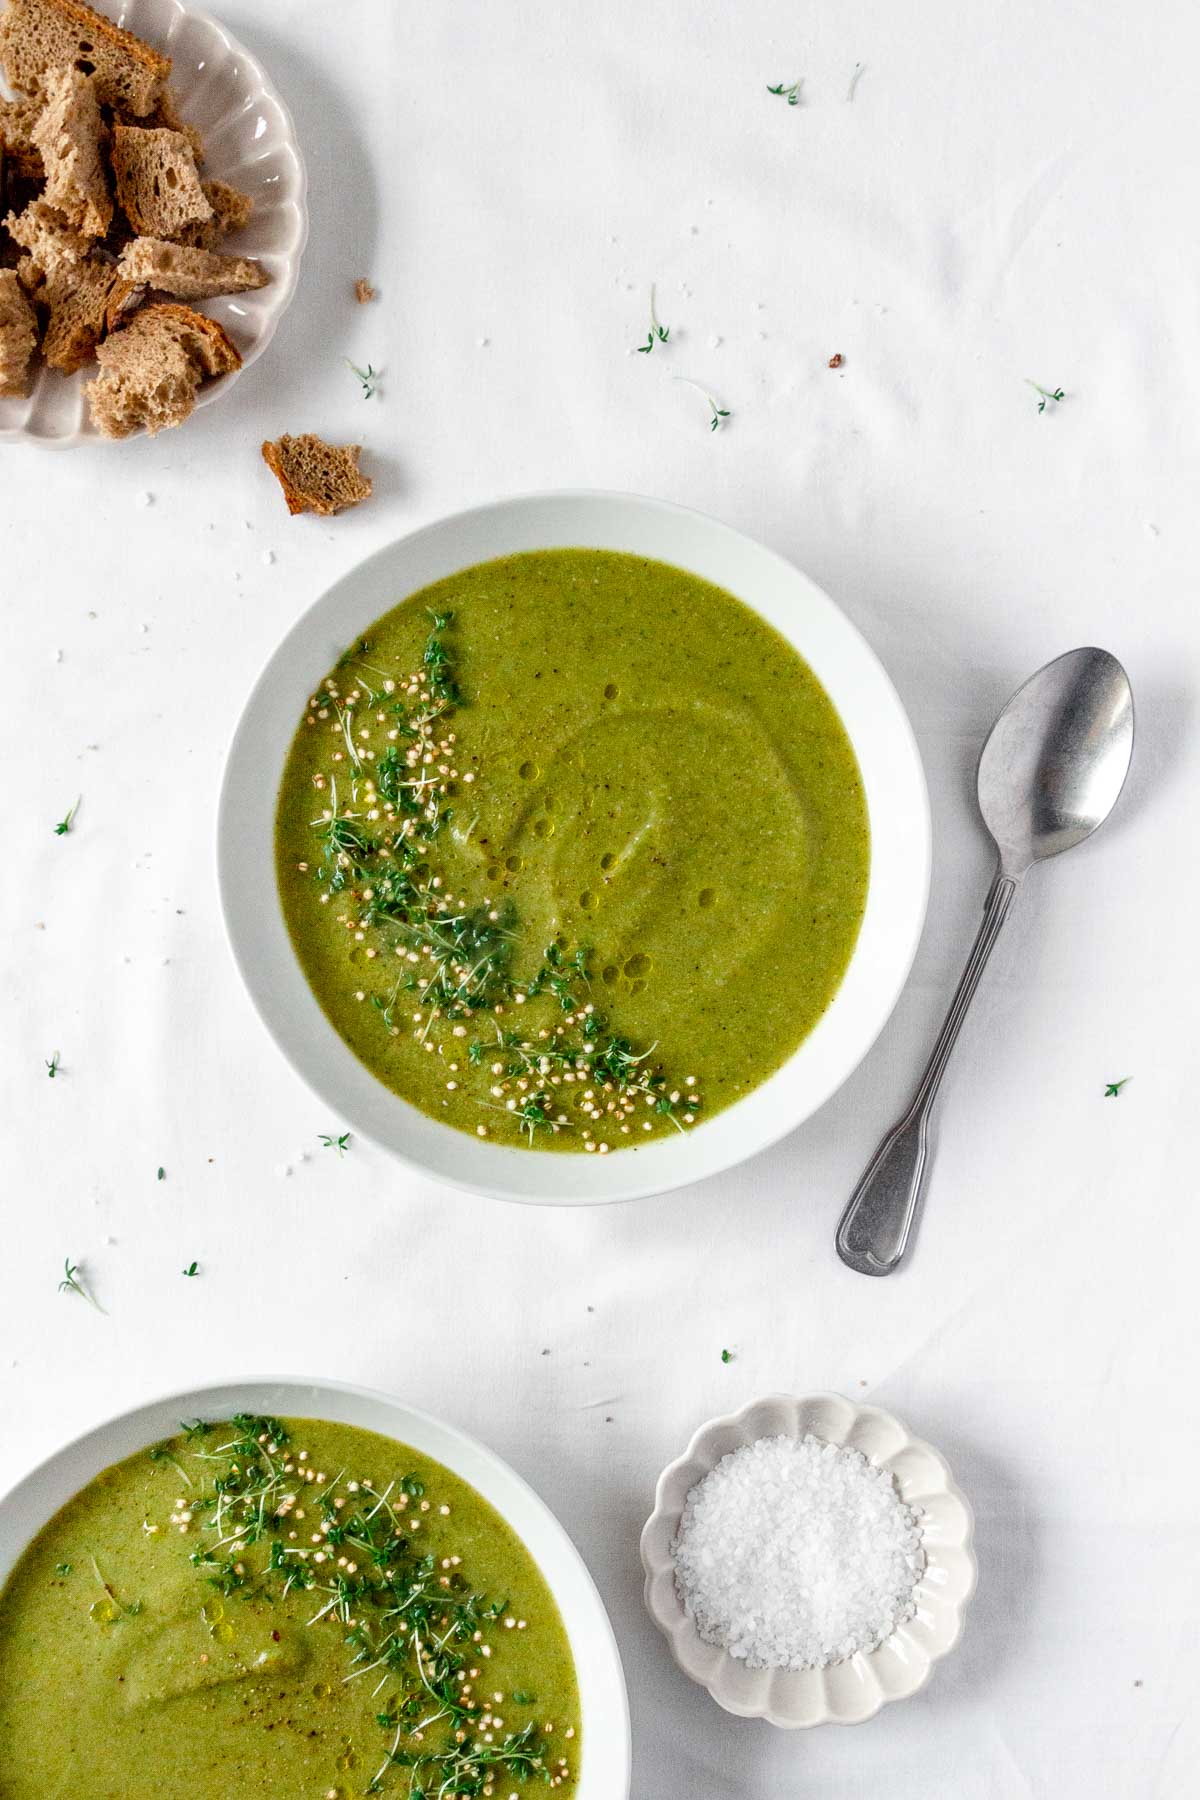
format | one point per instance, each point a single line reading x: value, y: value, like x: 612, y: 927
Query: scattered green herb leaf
x: 52, y: 1065
x: 368, y: 378
x: 68, y: 819
x: 790, y: 94
x: 727, y: 1356
x: 657, y: 334
x: 1114, y: 1088
x: 403, y: 1622
x: 340, y: 1144
x: 1046, y: 394
x: 717, y: 412
x: 162, y: 1174
x: 62, y: 1568
x: 132, y: 1609
x: 193, y: 1268
x: 73, y: 1283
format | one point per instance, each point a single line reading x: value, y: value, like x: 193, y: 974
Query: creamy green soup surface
x: 288, y: 1609
x: 573, y: 849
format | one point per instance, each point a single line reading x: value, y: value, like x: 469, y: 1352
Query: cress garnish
x: 459, y: 957
x: 368, y: 378
x: 657, y: 334
x: 790, y: 93
x: 274, y: 1524
x: 1047, y: 394
x: 73, y: 1283
x: 716, y: 413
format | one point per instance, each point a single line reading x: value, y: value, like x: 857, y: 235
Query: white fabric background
x: 1011, y: 194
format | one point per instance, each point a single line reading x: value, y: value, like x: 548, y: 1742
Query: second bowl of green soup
x: 574, y: 848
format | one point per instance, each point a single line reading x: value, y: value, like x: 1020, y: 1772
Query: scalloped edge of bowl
x: 850, y: 1692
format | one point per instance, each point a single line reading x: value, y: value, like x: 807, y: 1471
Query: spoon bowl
x: 1056, y: 759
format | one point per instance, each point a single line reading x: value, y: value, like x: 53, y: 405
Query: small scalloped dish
x: 848, y: 1692
x: 249, y: 141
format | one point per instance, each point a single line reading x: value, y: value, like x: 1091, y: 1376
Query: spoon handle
x: 874, y: 1230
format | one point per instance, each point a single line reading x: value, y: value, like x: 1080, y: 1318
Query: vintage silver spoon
x: 1049, y: 774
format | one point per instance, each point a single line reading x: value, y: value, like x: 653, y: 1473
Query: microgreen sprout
x: 567, y: 1069
x: 193, y: 1268
x: 1113, y: 1088
x: 162, y: 1174
x: 368, y: 378
x: 74, y: 1283
x: 727, y: 1356
x: 657, y: 334
x: 68, y: 819
x: 1047, y: 394
x: 790, y: 94
x: 717, y: 413
x: 53, y: 1064
x: 409, y: 1619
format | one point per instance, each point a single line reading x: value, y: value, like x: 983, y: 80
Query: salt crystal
x: 795, y: 1553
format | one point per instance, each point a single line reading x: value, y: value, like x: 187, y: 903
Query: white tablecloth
x: 1009, y: 194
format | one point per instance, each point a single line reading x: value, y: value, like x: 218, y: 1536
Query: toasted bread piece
x: 231, y: 211
x: 363, y: 291
x: 18, y: 336
x: 78, y: 302
x: 167, y: 114
x: 315, y: 476
x: 17, y: 120
x: 157, y: 184
x: 39, y: 35
x: 70, y: 135
x: 186, y: 273
x: 42, y: 35
x: 151, y: 369
x: 54, y: 248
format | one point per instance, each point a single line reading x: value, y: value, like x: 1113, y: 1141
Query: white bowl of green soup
x: 289, y: 1588
x: 574, y: 848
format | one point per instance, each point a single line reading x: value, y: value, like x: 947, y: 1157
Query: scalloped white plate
x: 250, y: 141
x: 605, y: 1759
x: 846, y: 1693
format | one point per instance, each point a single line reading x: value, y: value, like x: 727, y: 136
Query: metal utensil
x: 1049, y: 774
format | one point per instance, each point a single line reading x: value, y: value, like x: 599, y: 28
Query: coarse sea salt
x: 794, y: 1553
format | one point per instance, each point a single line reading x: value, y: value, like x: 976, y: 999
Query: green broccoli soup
x: 573, y: 849
x: 283, y: 1609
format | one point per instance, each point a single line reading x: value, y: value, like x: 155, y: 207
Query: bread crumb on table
x: 363, y: 291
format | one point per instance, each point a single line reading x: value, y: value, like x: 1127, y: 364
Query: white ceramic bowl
x: 849, y: 1692
x: 870, y: 711
x: 604, y: 1771
x: 249, y: 140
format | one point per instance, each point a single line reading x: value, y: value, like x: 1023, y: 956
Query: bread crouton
x: 315, y: 476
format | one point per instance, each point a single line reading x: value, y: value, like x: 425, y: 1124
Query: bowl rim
x: 283, y: 290
x: 670, y: 1616
x: 313, y: 1048
x: 604, y: 1702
